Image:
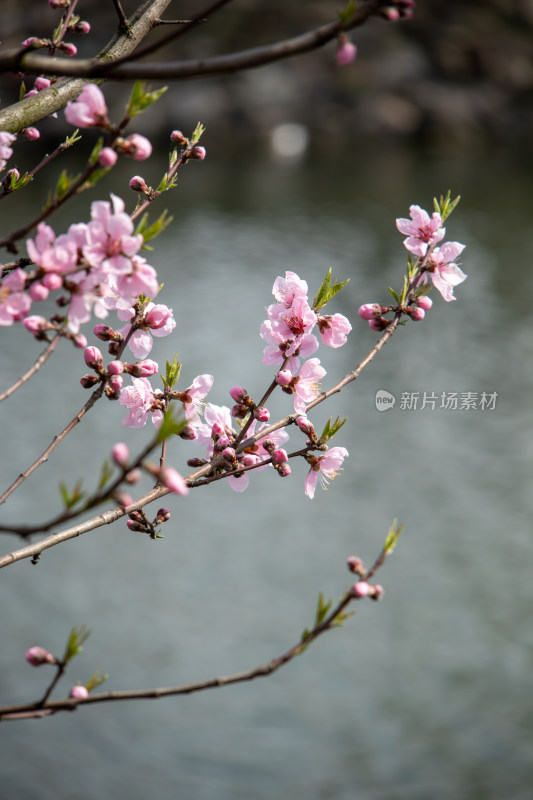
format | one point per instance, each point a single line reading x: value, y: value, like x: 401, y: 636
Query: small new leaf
x: 445, y: 205
x: 141, y: 98
x: 394, y: 295
x: 105, y: 474
x: 341, y: 618
x: 71, y: 498
x: 346, y: 13
x: 322, y: 609
x: 75, y: 642
x: 392, y: 537
x: 327, y: 291
x: 197, y: 133
x: 156, y: 228
x: 331, y: 428
x: 170, y: 426
x: 172, y: 373
x: 95, y: 681
x: 97, y: 149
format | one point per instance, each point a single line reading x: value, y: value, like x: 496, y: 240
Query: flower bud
x: 93, y: 357
x: 283, y: 470
x: 188, y: 433
x: 67, y: 48
x: 34, y: 42
x: 37, y: 656
x: 360, y: 589
x: 120, y: 454
x: 35, y: 324
x: 136, y: 527
x: 52, y: 281
x: 262, y: 414
x: 238, y: 394
x: 163, y: 515
x: 171, y: 478
x: 424, y: 302
x: 376, y: 592
x: 158, y: 316
x: 378, y: 324
x: 284, y: 377
x: 133, y: 476
x: 79, y: 692
x: 279, y: 456
x: 198, y: 152
x: 196, y: 462
x: 178, y: 138
x: 104, y: 332
x: 116, y: 382
x: 107, y: 157
x: 239, y: 411
x: 142, y: 369
x: 305, y: 426
x: 135, y: 146
x: 115, y: 367
x: 79, y: 340
x: 82, y: 26
x: 31, y: 133
x: 122, y: 498
x: 89, y: 380
x: 416, y: 313
x: 138, y: 184
x: 42, y: 83
x: 38, y: 291
x: 346, y: 51
x: 355, y: 564
x: 370, y: 311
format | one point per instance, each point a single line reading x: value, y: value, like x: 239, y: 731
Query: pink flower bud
x: 115, y: 382
x: 370, y: 311
x: 58, y: 3
x: 284, y: 377
x: 171, y: 478
x: 416, y: 313
x: 79, y: 340
x: 123, y: 499
x: 158, y: 316
x: 120, y: 454
x: 34, y: 42
x: 378, y: 324
x: 52, y: 281
x: 178, y: 138
x: 88, y: 381
x: 238, y: 394
x: 42, y: 83
x: 31, y: 133
x: 136, y: 146
x: 188, y: 433
x: 142, y: 369
x: 376, y: 592
x: 249, y: 460
x: 217, y: 429
x: 82, y: 26
x: 163, y: 515
x: 360, y: 589
x: 67, y: 48
x: 262, y: 414
x: 283, y: 470
x: 115, y: 367
x: 107, y: 157
x: 355, y: 564
x: 79, y: 692
x: 136, y: 527
x: 346, y: 51
x: 104, y: 332
x: 239, y: 411
x: 133, y: 476
x: 93, y: 357
x: 37, y: 656
x: 424, y: 302
x: 198, y: 152
x: 35, y: 324
x: 305, y: 426
x: 195, y: 462
x: 229, y: 454
x: 279, y: 456
x: 138, y: 184
x: 38, y: 292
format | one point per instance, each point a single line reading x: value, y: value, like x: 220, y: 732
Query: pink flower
x: 6, y: 139
x: 56, y: 255
x: 443, y: 270
x: 88, y: 109
x: 110, y: 240
x: 286, y: 289
x: 141, y: 280
x: 334, y: 329
x: 193, y: 396
x: 136, y: 146
x: 158, y: 321
x: 14, y: 302
x: 326, y: 467
x: 306, y: 384
x: 141, y: 401
x: 421, y: 230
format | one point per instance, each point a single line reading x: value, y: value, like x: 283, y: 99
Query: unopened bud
x: 138, y: 184
x: 283, y: 470
x: 37, y: 656
x: 279, y: 456
x: 198, y: 152
x: 93, y: 357
x: 355, y: 564
x: 79, y: 692
x: 67, y: 48
x: 262, y: 414
x: 424, y: 302
x: 376, y: 592
x: 360, y: 589
x: 416, y: 313
x: 31, y: 133
x: 163, y: 515
x: 120, y: 453
x: 238, y: 394
x: 188, y: 433
x: 89, y: 380
x: 178, y: 138
x: 107, y: 157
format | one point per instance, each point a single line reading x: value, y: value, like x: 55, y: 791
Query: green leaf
x: 394, y: 295
x: 322, y: 609
x: 95, y: 681
x: 170, y: 426
x: 172, y: 373
x: 22, y: 181
x: 105, y: 474
x: 331, y: 428
x: 197, y: 133
x: 445, y: 205
x: 141, y: 98
x: 71, y: 498
x: 75, y: 642
x: 341, y: 618
x: 346, y: 13
x: 327, y: 291
x: 97, y: 149
x: 156, y: 228
x: 392, y: 537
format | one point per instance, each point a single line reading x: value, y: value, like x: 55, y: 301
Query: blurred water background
x: 425, y: 695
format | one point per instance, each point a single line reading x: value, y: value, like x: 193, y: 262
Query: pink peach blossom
x: 421, y: 230
x: 326, y: 467
x: 88, y: 109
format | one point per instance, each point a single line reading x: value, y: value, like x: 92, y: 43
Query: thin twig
x: 45, y: 355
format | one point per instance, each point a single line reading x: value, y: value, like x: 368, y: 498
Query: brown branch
x: 70, y: 704
x: 45, y: 355
x: 180, y: 70
x: 30, y: 110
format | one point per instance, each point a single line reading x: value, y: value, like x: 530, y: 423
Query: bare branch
x: 45, y: 355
